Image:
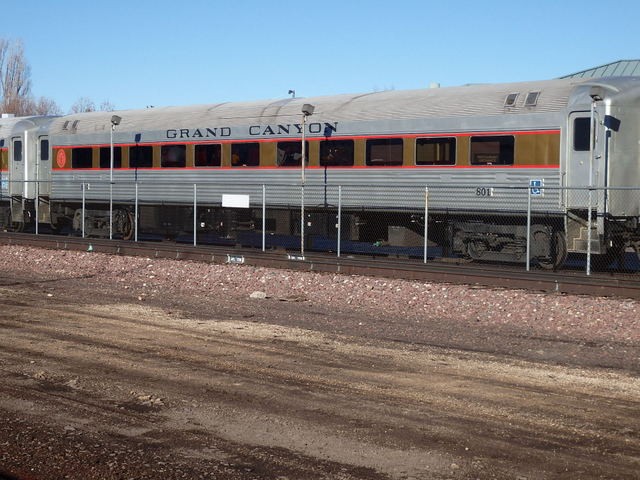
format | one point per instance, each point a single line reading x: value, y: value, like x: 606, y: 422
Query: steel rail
x: 451, y: 271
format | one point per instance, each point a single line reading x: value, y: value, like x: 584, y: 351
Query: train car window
x: 436, y: 151
x: 105, y: 157
x: 492, y: 150
x: 17, y: 151
x: 81, y: 158
x: 173, y: 156
x: 289, y: 154
x: 141, y: 157
x: 44, y: 150
x: 337, y: 153
x: 510, y: 101
x: 208, y: 155
x: 384, y: 152
x: 245, y: 154
x: 532, y: 99
x: 581, y: 134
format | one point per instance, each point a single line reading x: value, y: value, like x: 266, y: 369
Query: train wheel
x: 557, y: 249
x: 127, y: 226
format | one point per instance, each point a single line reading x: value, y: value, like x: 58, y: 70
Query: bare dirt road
x: 95, y: 384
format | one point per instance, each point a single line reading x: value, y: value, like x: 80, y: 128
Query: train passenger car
x: 7, y: 123
x: 29, y: 171
x: 469, y: 145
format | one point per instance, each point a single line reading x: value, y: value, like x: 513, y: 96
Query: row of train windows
x: 485, y: 150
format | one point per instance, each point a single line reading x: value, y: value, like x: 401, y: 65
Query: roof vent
x: 510, y: 101
x: 74, y: 125
x: 532, y: 99
x: 66, y: 125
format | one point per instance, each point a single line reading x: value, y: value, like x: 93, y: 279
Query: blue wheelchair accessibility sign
x: 536, y: 187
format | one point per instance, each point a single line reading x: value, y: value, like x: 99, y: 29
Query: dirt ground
x: 97, y: 385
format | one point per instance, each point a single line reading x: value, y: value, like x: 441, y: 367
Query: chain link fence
x: 535, y: 226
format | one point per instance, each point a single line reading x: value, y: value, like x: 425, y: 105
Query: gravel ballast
x: 439, y: 314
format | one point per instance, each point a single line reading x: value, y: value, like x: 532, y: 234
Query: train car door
x: 43, y: 175
x: 22, y: 172
x: 16, y: 168
x: 586, y: 166
x: 23, y: 165
x: 17, y: 177
x: 578, y: 158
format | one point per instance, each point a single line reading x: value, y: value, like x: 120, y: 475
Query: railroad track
x: 455, y: 271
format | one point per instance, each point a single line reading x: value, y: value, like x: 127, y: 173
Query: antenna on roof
x: 292, y: 93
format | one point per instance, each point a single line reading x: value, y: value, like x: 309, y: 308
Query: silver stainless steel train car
x: 6, y: 125
x: 468, y: 145
x: 28, y: 185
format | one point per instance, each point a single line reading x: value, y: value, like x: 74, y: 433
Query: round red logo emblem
x: 61, y: 158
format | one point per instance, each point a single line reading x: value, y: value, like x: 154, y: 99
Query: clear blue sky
x: 135, y: 53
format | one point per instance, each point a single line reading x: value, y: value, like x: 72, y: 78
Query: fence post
x: 426, y: 223
x: 37, y: 195
x: 264, y: 217
x: 195, y: 213
x: 111, y: 209
x: 302, y: 220
x: 339, y: 218
x: 135, y: 220
x: 589, y: 219
x: 83, y: 206
x: 529, y: 227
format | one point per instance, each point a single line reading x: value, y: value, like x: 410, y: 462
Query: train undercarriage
x: 498, y: 239
x: 495, y: 239
x: 505, y: 240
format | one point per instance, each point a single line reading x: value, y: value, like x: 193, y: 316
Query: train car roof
x: 13, y: 126
x: 7, y: 124
x: 470, y: 100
